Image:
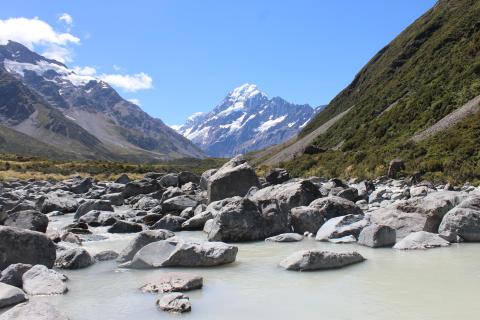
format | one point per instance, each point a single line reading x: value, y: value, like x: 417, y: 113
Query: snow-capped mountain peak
x: 245, y: 120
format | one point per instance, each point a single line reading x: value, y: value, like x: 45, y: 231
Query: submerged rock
x: 174, y: 282
x: 180, y: 253
x: 309, y: 260
x: 285, y: 237
x: 106, y: 255
x: 175, y: 302
x: 421, y: 240
x: 33, y: 310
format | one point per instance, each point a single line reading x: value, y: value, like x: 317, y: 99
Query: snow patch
x: 271, y: 123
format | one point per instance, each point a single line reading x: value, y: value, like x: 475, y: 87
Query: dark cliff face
x: 42, y: 95
x: 244, y: 121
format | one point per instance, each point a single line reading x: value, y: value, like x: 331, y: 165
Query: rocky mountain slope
x: 78, y: 116
x: 426, y: 73
x: 246, y: 120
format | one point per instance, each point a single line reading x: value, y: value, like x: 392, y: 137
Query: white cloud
x: 135, y: 101
x: 66, y: 18
x: 31, y: 32
x: 35, y: 32
x: 132, y: 83
x: 85, y: 71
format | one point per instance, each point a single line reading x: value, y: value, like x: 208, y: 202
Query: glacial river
x: 434, y: 284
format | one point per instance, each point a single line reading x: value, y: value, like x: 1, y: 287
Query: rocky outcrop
x: 309, y: 260
x: 24, y: 246
x: 180, y: 253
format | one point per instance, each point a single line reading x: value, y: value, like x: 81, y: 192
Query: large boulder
x: 288, y: 195
x: 179, y: 203
x: 75, y: 258
x: 243, y: 220
x: 417, y: 214
x: 421, y: 240
x: 175, y: 302
x: 339, y: 227
x: 185, y: 177
x: 309, y: 260
x: 197, y: 222
x: 58, y: 201
x: 463, y: 220
x: 306, y: 219
x: 143, y: 186
x: 234, y: 178
x: 81, y: 185
x: 375, y: 236
x: 37, y: 310
x: 93, y: 204
x: 180, y: 253
x: 115, y: 199
x: 277, y: 176
x: 141, y: 240
x: 333, y: 206
x: 24, y: 246
x: 169, y: 180
x: 125, y: 227
x: 169, y: 222
x: 28, y: 219
x: 13, y: 274
x: 174, y: 282
x: 10, y: 295
x: 205, y: 177
x: 42, y: 281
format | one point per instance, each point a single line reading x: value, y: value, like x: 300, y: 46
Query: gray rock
x: 75, y: 258
x: 243, y: 220
x: 309, y: 260
x: 174, y: 282
x: 341, y: 226
x: 185, y: 177
x: 197, y: 222
x: 115, y: 199
x: 141, y: 240
x: 169, y: 222
x: 125, y: 227
x: 179, y: 203
x: 285, y: 237
x: 13, y: 274
x: 24, y: 246
x: 204, y: 178
x: 277, y: 176
x: 175, y: 302
x: 288, y: 195
x: 123, y: 179
x: 33, y: 310
x: 345, y: 239
x: 306, y: 219
x: 40, y: 280
x: 180, y: 253
x: 395, y: 167
x: 187, y: 213
x: 463, y: 220
x: 58, y: 201
x: 234, y: 178
x: 81, y: 186
x: 106, y: 255
x: 349, y: 194
x: 421, y: 240
x: 147, y: 203
x: 143, y: 186
x: 169, y: 180
x: 10, y: 295
x: 28, y: 219
x: 332, y: 207
x: 93, y: 204
x: 375, y: 236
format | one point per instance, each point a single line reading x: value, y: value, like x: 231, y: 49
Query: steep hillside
x: 45, y: 100
x: 430, y: 70
x: 246, y: 120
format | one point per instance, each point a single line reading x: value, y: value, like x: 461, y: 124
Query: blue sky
x: 178, y: 57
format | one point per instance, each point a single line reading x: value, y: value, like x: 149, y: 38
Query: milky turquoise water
x: 434, y: 284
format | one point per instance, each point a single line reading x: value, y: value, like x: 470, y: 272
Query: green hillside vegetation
x: 427, y: 72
